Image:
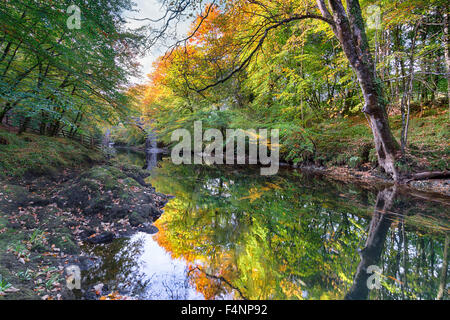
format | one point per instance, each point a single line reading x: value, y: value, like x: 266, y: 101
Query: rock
x: 136, y: 219
x: 98, y: 288
x: 136, y: 173
x: 118, y: 212
x: 148, y: 210
x: 149, y: 229
x: 87, y: 233
x: 97, y: 205
x: 86, y: 263
x: 13, y: 225
x: 39, y: 201
x: 105, y: 237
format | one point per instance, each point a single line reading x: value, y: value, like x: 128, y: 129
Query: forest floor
x: 56, y: 197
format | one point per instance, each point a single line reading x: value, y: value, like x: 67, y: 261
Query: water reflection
x: 296, y: 236
x: 233, y: 234
x: 140, y: 268
x: 128, y: 155
x: 371, y: 253
x: 119, y: 270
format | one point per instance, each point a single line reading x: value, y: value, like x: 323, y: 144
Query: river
x: 230, y: 233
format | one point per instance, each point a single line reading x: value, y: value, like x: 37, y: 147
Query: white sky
x: 150, y: 9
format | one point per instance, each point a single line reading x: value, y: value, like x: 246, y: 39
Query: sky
x: 150, y: 9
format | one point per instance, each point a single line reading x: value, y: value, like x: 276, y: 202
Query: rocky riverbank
x: 44, y: 221
x: 438, y: 187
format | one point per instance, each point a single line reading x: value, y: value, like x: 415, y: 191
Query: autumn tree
x: 347, y: 24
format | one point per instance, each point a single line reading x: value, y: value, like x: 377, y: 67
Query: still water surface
x: 230, y: 233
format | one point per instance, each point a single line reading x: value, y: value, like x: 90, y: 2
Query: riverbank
x: 435, y: 187
x: 348, y: 142
x: 56, y: 196
x: 343, y: 150
x: 30, y: 155
x: 44, y: 223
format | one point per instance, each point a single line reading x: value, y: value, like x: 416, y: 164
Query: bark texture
x: 350, y: 31
x: 447, y: 53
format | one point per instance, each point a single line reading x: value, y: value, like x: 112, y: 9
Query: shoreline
x: 45, y: 222
x: 436, y: 187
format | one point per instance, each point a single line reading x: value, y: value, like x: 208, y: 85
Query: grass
x: 37, y: 155
x: 4, y: 285
x: 26, y: 275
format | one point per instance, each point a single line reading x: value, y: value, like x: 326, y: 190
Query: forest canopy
x: 56, y: 72
x: 301, y: 66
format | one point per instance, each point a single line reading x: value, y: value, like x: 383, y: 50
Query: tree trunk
x: 447, y: 54
x: 443, y: 279
x: 5, y: 109
x: 24, y: 125
x: 370, y: 255
x: 349, y: 29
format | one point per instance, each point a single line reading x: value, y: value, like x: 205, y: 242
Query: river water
x: 230, y: 233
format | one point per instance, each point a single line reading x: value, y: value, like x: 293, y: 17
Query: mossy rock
x: 39, y: 171
x: 98, y: 205
x: 15, y: 195
x: 131, y: 182
x: 118, y: 212
x: 105, y: 172
x: 136, y: 219
x: 92, y: 185
x: 137, y: 171
x: 148, y: 210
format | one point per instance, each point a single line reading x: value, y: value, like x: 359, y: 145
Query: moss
x: 130, y: 182
x: 36, y: 155
x: 106, y: 176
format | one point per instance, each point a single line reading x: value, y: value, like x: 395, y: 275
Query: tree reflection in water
x: 128, y: 266
x: 234, y: 234
x: 297, y: 236
x: 119, y: 268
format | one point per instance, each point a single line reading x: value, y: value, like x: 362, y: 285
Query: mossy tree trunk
x: 447, y: 53
x: 349, y: 29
